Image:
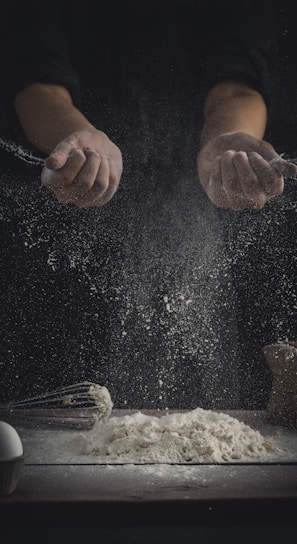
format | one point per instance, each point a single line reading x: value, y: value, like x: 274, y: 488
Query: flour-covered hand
x: 238, y: 171
x: 84, y: 169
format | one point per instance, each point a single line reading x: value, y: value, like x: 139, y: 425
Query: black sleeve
x: 240, y: 45
x: 39, y: 52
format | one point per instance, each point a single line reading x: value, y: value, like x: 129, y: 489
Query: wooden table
x: 129, y: 495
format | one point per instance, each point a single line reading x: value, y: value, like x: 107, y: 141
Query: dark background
x: 159, y: 295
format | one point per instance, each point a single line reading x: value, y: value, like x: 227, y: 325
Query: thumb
x: 59, y: 156
x: 283, y: 167
x: 55, y: 160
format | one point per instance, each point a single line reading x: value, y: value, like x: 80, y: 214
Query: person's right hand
x: 238, y: 171
x: 84, y: 169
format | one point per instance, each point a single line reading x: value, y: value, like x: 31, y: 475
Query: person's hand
x: 84, y: 169
x: 238, y: 171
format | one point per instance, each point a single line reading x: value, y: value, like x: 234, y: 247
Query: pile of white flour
x: 197, y: 436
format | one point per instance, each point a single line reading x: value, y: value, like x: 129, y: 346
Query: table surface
x: 155, y: 493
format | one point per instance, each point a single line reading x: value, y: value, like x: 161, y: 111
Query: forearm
x: 237, y: 168
x: 47, y: 115
x: 233, y: 107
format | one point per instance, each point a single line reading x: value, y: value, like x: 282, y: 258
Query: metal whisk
x: 20, y: 152
x: 78, y: 405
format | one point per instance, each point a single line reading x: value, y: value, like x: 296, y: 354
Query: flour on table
x: 197, y: 436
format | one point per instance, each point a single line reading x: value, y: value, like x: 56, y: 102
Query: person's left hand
x: 238, y: 171
x: 84, y: 169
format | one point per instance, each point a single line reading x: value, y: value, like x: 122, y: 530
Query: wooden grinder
x: 281, y: 358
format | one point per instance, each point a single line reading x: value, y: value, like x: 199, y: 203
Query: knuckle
x: 91, y: 153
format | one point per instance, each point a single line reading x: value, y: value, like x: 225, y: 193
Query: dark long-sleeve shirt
x: 75, y: 43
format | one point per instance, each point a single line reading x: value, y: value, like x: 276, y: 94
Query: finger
x: 231, y: 182
x: 102, y: 180
x: 271, y: 182
x: 65, y: 176
x: 88, y: 173
x: 283, y: 167
x: 115, y: 172
x: 254, y: 196
x: 113, y: 184
x: 214, y: 188
x: 97, y: 199
x: 96, y: 196
x: 59, y: 155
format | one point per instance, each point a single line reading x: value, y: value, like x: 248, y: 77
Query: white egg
x: 10, y: 443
